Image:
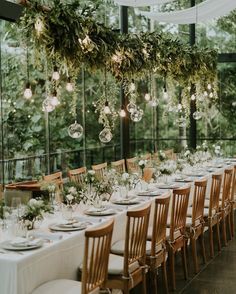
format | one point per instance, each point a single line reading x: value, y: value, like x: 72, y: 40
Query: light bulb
x: 193, y: 97
x: 47, y: 105
x: 234, y: 103
x: 55, y: 74
x: 209, y: 86
x: 27, y: 93
x: 205, y: 93
x: 54, y: 101
x: 107, y: 108
x: 211, y: 95
x: 122, y: 113
x: 165, y: 95
x: 132, y: 87
x: 147, y: 97
x: 38, y: 26
x: 69, y: 86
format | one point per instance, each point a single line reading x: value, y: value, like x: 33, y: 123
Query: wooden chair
x: 77, y: 175
x: 156, y: 257
x: 148, y: 173
x: 233, y: 201
x: 212, y: 217
x: 100, y: 169
x: 127, y: 266
x: 195, y: 220
x: 147, y: 156
x: 119, y: 166
x: 55, y: 178
x: 95, y: 264
x: 132, y: 165
x: 169, y: 153
x: 1, y: 192
x: 176, y: 239
x: 225, y: 207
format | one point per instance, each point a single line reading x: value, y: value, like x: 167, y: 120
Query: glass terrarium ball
x: 75, y: 130
x: 136, y: 115
x: 131, y: 107
x: 197, y: 115
x: 105, y: 135
x: 47, y: 105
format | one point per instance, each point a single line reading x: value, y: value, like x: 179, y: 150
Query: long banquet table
x: 23, y: 271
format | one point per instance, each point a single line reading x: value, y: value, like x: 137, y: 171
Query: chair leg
x: 184, y: 261
x: 172, y: 268
x: 224, y: 230
x: 152, y: 280
x: 218, y: 235
x: 229, y: 225
x: 232, y: 220
x: 144, y: 284
x: 211, y: 241
x: 203, y: 246
x: 165, y: 276
x: 194, y: 254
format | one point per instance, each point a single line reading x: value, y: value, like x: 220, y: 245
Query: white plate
x: 94, y: 212
x: 168, y: 186
x: 16, y: 247
x: 150, y: 193
x: 125, y: 201
x: 67, y: 228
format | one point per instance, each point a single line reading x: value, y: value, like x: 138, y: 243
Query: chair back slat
x: 198, y: 201
x: 136, y: 236
x: 215, y: 194
x: 179, y: 211
x: 228, y: 175
x: 119, y: 165
x: 77, y: 175
x: 233, y: 188
x: 169, y: 153
x: 132, y: 165
x: 100, y: 169
x: 159, y: 222
x: 96, y: 255
x: 55, y: 178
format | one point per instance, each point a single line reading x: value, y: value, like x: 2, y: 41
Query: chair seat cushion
x: 176, y: 234
x: 59, y: 287
x: 116, y: 265
x: 119, y: 247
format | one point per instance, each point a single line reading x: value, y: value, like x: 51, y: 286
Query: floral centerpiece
x: 217, y: 150
x: 161, y: 155
x: 168, y: 167
x: 74, y: 193
x: 34, y: 211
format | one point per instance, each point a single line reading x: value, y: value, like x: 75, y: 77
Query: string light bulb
x: 209, y: 86
x: 122, y: 112
x: 147, y: 97
x: 69, y: 86
x: 55, y: 74
x: 132, y: 87
x: 211, y: 95
x: 54, y: 99
x: 107, y: 109
x: 39, y: 26
x: 28, y: 92
x: 165, y: 94
x: 193, y: 97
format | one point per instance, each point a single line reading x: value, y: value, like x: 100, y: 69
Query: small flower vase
x: 30, y: 225
x: 98, y: 203
x: 67, y: 212
x: 52, y: 197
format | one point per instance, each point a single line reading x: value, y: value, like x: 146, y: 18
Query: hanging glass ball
x: 47, y: 105
x: 105, y: 135
x: 75, y: 130
x: 136, y: 115
x: 197, y: 115
x: 54, y: 101
x: 131, y: 107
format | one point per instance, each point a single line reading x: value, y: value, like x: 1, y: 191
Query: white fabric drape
x: 202, y: 12
x: 139, y: 3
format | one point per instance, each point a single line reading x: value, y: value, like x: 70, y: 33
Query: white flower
x: 33, y: 202
x: 69, y: 197
x: 91, y: 172
x: 125, y: 176
x: 72, y: 190
x: 187, y: 153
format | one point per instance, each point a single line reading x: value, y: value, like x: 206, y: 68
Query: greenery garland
x: 71, y: 37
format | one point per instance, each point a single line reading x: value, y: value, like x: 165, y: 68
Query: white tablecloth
x: 22, y: 273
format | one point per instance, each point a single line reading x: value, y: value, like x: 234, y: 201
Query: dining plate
x: 94, y: 212
x: 68, y: 227
x: 168, y: 186
x: 184, y: 180
x: 9, y: 245
x: 125, y: 201
x: 149, y: 193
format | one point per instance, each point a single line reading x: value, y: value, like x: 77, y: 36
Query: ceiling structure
x: 202, y: 12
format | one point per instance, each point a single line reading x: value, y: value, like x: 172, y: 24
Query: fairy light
x: 69, y: 86
x: 147, y: 97
x: 27, y: 92
x: 122, y: 112
x: 107, y: 109
x: 55, y: 74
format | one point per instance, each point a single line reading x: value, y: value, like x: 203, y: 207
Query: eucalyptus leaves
x: 71, y: 36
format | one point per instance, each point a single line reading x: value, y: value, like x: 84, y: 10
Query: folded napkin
x: 150, y: 193
x: 48, y: 236
x: 23, y: 242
